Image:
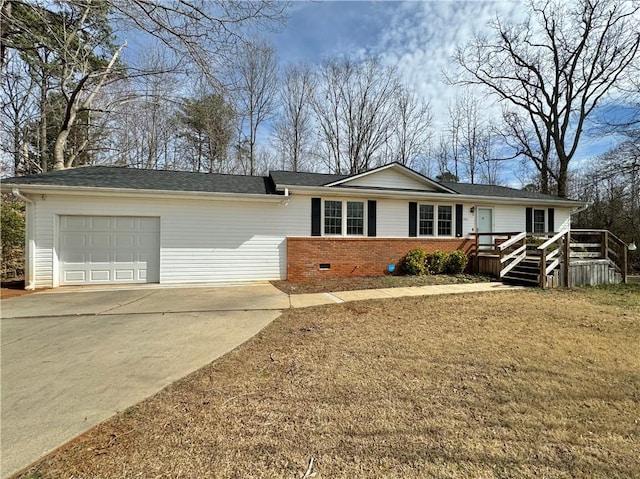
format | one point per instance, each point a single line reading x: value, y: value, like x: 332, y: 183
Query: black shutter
x: 529, y: 220
x: 371, y: 217
x: 551, y: 222
x: 316, y: 204
x: 413, y: 219
x: 458, y: 220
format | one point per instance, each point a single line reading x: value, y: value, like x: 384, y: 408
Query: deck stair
x: 549, y: 260
x: 526, y: 273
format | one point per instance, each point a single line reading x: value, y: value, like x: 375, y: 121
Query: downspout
x: 29, y: 245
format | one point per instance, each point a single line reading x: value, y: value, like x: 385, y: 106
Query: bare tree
x: 257, y: 89
x: 354, y: 106
x: 552, y: 71
x: 17, y: 115
x: 293, y: 127
x: 411, y: 126
x: 141, y: 125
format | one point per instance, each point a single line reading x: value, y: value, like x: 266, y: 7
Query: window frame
x: 344, y: 220
x: 436, y: 220
x: 432, y: 219
x: 544, y: 220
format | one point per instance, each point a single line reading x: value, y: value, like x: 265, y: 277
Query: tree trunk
x: 58, y: 149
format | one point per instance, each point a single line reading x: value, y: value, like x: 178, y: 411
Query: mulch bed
x: 327, y: 285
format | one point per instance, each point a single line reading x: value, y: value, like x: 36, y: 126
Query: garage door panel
x: 125, y: 275
x: 101, y: 224
x: 109, y: 250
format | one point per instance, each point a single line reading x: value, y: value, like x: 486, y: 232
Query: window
x: 335, y: 222
x: 333, y: 217
x: 435, y: 220
x: 445, y: 220
x: 538, y: 221
x: 426, y: 220
x: 355, y: 218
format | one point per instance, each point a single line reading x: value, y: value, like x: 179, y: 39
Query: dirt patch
x: 11, y: 289
x: 496, y: 385
x: 328, y: 285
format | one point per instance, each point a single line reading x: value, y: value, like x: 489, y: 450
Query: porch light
x: 632, y: 246
x: 473, y: 209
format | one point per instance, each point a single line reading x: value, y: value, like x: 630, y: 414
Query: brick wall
x: 357, y: 256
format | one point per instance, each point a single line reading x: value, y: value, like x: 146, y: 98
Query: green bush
x: 414, y: 262
x: 12, y: 234
x: 456, y: 262
x: 436, y: 261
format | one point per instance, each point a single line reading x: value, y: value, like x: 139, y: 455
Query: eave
x: 142, y: 193
x: 336, y: 191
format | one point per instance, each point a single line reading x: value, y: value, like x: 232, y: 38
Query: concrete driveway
x: 71, y: 359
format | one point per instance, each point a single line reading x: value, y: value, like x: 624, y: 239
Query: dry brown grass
x: 503, y: 385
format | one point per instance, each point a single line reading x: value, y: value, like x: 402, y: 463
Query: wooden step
x: 508, y: 279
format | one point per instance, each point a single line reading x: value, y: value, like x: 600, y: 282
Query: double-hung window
x: 445, y: 220
x: 336, y: 221
x: 332, y: 217
x: 355, y: 218
x: 426, y: 220
x: 538, y: 221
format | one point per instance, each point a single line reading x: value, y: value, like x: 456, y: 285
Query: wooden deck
x: 549, y: 260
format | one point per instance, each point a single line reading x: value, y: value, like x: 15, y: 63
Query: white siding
x: 200, y: 240
x: 393, y: 219
x: 390, y: 178
x: 562, y: 219
x: 509, y: 218
x: 214, y: 240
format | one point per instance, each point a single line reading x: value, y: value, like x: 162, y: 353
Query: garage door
x: 109, y: 249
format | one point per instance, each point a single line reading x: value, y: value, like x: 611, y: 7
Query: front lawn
x: 517, y: 384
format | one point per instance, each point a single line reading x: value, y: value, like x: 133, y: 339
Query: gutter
x: 128, y: 192
x: 29, y: 241
x: 580, y: 209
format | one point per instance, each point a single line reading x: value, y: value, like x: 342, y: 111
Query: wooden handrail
x: 552, y: 240
x: 512, y: 241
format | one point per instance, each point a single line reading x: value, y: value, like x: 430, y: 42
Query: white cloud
x: 422, y: 37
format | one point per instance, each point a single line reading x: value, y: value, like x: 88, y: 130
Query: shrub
x: 436, y: 262
x: 456, y: 262
x: 414, y: 262
x: 12, y: 233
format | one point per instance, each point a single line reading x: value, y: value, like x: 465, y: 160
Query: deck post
x: 624, y: 263
x: 543, y: 268
x: 567, y: 257
x: 604, y: 245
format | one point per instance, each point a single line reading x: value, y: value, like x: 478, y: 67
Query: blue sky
x: 417, y: 37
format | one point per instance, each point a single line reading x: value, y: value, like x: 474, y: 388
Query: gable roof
x: 400, y: 168
x: 159, y: 180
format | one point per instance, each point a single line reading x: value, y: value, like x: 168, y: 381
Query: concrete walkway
x: 73, y: 357
x: 304, y: 300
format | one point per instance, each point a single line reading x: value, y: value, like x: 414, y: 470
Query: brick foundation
x: 357, y: 256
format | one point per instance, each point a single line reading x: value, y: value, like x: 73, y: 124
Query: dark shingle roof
x: 137, y: 179
x: 296, y: 178
x: 131, y: 178
x: 499, y: 191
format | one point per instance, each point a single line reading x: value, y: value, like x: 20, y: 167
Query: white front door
x: 109, y: 249
x: 484, y: 221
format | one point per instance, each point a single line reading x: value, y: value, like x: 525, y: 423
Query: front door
x: 484, y: 220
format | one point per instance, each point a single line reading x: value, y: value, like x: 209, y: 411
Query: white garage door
x: 109, y: 249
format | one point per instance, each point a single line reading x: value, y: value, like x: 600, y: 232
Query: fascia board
x: 128, y: 192
x: 413, y: 195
